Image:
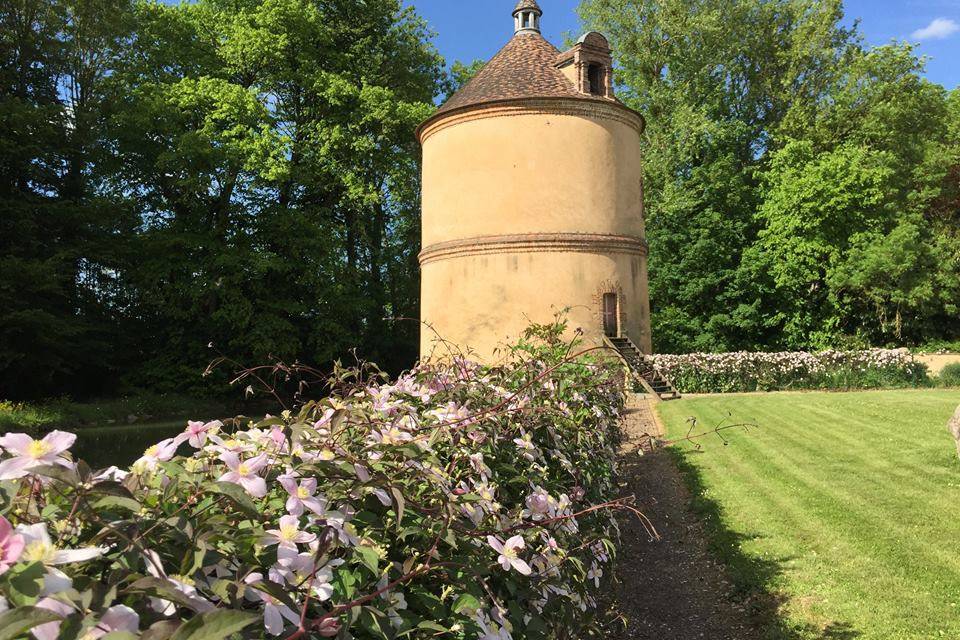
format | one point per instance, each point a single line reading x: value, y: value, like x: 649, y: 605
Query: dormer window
x: 589, y: 66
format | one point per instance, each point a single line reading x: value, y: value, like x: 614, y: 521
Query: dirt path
x: 671, y: 589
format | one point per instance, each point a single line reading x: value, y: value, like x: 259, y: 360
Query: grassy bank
x: 837, y: 517
x: 131, y: 410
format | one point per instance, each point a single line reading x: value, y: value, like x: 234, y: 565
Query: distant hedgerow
x: 757, y: 371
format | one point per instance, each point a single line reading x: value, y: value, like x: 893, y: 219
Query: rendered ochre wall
x: 529, y: 208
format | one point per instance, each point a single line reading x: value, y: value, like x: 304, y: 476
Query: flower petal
x: 256, y: 487
x: 18, y: 443
x: 14, y: 468
x: 521, y: 566
x: 59, y: 441
x: 66, y: 556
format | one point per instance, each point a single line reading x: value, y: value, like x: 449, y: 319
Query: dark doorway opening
x: 595, y: 76
x: 610, y: 315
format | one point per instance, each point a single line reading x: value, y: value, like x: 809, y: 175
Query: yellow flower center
x: 231, y: 444
x: 243, y: 469
x: 38, y: 449
x: 151, y: 451
x: 302, y: 493
x: 39, y: 551
x: 326, y: 454
x: 288, y: 533
x: 509, y: 552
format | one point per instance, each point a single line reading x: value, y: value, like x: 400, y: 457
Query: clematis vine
x: 29, y: 454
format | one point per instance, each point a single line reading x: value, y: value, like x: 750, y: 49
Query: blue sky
x: 470, y: 29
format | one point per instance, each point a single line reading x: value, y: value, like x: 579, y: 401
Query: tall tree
x: 778, y: 151
x: 59, y: 248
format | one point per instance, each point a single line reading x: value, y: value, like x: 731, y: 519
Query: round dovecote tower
x: 532, y: 200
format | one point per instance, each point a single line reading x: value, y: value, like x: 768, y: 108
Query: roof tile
x: 524, y: 68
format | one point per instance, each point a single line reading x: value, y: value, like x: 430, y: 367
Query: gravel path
x: 670, y: 589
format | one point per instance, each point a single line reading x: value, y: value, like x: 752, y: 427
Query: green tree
x: 785, y: 162
x: 61, y: 242
x: 271, y: 149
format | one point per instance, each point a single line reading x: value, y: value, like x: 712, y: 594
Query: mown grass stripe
x: 852, y: 497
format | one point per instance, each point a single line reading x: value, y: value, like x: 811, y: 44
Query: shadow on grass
x: 753, y: 577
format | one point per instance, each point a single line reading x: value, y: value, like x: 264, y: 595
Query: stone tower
x: 533, y: 199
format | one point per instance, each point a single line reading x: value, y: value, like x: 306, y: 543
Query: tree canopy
x: 801, y: 187
x: 244, y: 174
x: 237, y: 173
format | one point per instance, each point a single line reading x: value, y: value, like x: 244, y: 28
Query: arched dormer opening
x: 596, y: 79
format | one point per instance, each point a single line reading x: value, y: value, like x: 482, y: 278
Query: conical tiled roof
x: 524, y: 68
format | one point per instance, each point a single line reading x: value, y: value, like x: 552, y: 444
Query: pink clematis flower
x: 196, y: 432
x: 302, y: 496
x: 274, y: 611
x: 289, y: 535
x: 183, y: 584
x: 244, y: 473
x: 328, y: 628
x: 116, y: 618
x: 509, y: 554
x: 29, y: 453
x: 50, y: 630
x: 11, y: 545
x: 39, y: 547
x: 299, y: 570
x: 163, y: 451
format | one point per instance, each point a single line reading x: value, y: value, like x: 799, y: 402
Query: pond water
x: 120, y: 445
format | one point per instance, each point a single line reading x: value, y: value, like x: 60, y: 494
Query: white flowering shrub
x: 456, y: 502
x: 756, y: 371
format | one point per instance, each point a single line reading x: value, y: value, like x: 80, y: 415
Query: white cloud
x: 939, y: 29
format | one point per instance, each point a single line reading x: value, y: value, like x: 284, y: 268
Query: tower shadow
x: 752, y: 578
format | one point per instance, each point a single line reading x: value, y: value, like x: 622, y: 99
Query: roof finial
x: 526, y: 17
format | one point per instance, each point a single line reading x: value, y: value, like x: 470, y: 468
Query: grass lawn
x: 839, y: 516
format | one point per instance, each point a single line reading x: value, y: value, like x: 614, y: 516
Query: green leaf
x: 8, y: 490
x: 432, y: 626
x: 369, y: 558
x: 26, y: 582
x: 401, y: 503
x: 215, y: 625
x: 466, y: 602
x: 119, y: 502
x: 162, y: 589
x: 18, y: 621
x: 240, y: 498
x: 160, y: 630
x: 56, y: 472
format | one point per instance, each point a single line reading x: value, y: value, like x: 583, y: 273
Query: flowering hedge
x: 456, y: 502
x: 755, y: 371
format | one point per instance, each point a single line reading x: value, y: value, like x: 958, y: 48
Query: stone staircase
x: 642, y: 369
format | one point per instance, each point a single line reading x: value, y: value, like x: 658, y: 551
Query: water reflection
x: 120, y: 445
